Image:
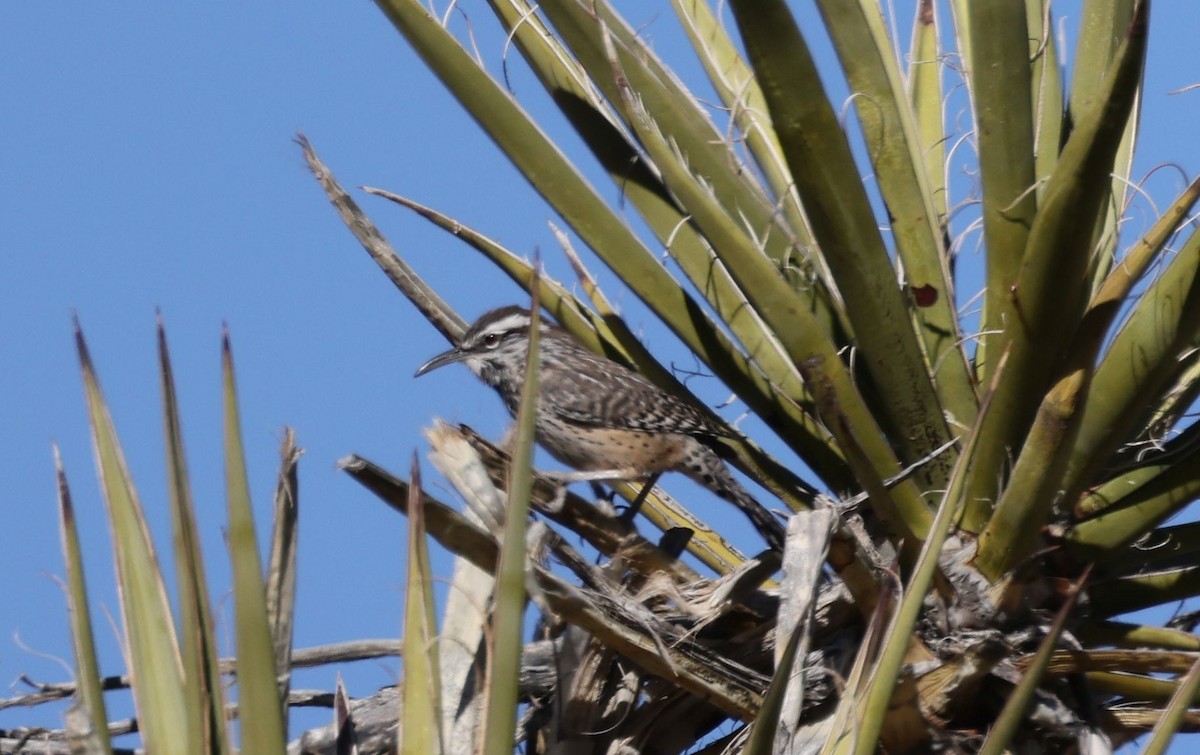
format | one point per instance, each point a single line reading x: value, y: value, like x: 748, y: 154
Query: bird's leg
x: 636, y: 505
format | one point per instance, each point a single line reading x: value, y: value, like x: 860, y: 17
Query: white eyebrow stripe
x: 510, y: 322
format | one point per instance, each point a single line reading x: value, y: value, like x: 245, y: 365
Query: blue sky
x: 146, y: 161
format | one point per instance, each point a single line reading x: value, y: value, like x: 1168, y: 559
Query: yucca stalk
x: 1005, y: 464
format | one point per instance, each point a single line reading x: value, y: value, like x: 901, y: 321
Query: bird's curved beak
x: 441, y: 360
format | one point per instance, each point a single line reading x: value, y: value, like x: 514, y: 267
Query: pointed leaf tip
x: 85, y: 357
x: 64, y: 490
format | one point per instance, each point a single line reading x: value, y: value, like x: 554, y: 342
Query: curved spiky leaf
x: 262, y: 724
x: 741, y: 95
x: 1124, y: 635
x: 1133, y: 507
x: 1051, y: 288
x: 1133, y: 593
x: 204, y: 690
x: 150, y: 642
x: 1047, y: 87
x: 1045, y: 461
x: 1142, y: 360
x: 997, y: 59
x: 1172, y: 718
x: 90, y: 695
x: 590, y: 26
x: 420, y: 717
x: 505, y: 656
x: 895, y: 149
x: 819, y: 156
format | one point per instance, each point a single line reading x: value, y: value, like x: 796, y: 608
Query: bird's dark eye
x: 491, y: 340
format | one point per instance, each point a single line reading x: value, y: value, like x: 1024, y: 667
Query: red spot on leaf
x: 924, y: 296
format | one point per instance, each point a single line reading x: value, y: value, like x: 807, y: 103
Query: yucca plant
x: 187, y: 698
x: 178, y: 680
x: 988, y: 493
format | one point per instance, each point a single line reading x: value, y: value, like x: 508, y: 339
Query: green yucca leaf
x: 90, y: 695
x: 1133, y: 593
x: 1103, y: 25
x: 204, y: 690
x: 1134, y: 687
x: 421, y: 719
x: 895, y: 148
x: 1176, y: 546
x: 827, y: 180
x: 1051, y: 294
x: 1176, y: 710
x: 1131, y: 509
x: 1175, y: 401
x: 925, y: 95
x: 505, y: 656
x: 262, y: 724
x: 588, y: 28
x: 1000, y: 87
x: 1059, y: 438
x: 150, y: 645
x: 741, y: 95
x: 1103, y: 425
x: 1143, y: 359
x: 1047, y: 88
x: 1125, y: 635
x: 1175, y: 459
x: 461, y: 639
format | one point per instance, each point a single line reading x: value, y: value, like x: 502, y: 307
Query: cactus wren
x: 597, y: 416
